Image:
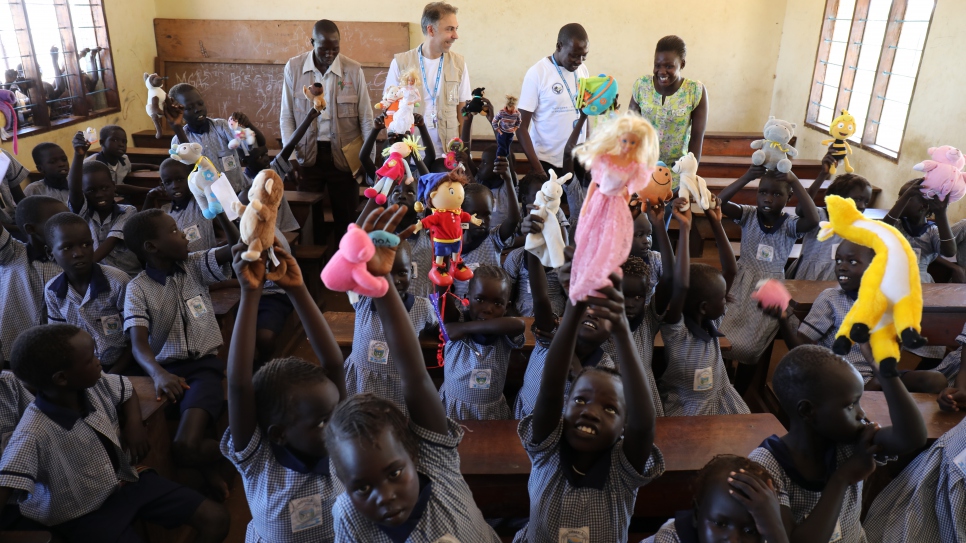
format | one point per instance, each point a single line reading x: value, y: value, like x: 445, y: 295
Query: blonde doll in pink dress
x: 620, y: 155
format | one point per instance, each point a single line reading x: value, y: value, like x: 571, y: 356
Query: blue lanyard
x: 422, y: 71
x: 573, y: 99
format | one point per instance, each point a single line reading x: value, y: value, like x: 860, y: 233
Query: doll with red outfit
x: 443, y: 194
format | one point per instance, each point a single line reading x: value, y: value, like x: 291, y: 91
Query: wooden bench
x: 496, y: 467
x: 157, y: 155
x: 715, y: 143
x: 308, y: 212
x: 145, y: 139
x: 311, y: 260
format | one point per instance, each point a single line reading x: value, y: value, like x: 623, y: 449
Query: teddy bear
x: 346, y: 270
x: 693, y: 186
x: 774, y: 151
x: 390, y: 103
x: 548, y: 245
x: 943, y: 174
x: 659, y: 189
x: 202, y: 176
x: 315, y: 94
x: 257, y: 224
x: 156, y: 97
x: 772, y: 293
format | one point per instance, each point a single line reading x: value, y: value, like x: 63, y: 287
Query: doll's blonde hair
x: 409, y: 77
x: 607, y: 136
x: 511, y: 101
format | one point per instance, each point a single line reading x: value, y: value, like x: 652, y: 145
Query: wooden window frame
x: 80, y: 111
x: 883, y: 71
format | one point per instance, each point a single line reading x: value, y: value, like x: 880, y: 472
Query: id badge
x: 703, y: 379
x: 197, y: 306
x: 574, y: 535
x: 447, y: 539
x: 480, y: 379
x: 766, y: 253
x: 305, y: 512
x: 111, y: 324
x: 192, y: 233
x: 229, y: 162
x: 837, y: 533
x: 415, y: 270
x: 960, y: 461
x: 378, y: 352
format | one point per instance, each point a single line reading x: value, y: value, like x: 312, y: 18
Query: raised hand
x: 760, y: 499
x: 386, y: 220
x: 251, y: 275
x: 952, y: 399
x: 80, y: 144
x: 293, y: 274
x: 862, y: 463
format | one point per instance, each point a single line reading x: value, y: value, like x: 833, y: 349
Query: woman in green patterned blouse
x: 677, y: 107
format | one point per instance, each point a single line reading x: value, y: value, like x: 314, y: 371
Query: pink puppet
x: 346, y: 269
x: 621, y: 156
x: 772, y: 293
x: 943, y: 174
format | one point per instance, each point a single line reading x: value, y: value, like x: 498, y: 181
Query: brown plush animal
x: 257, y: 225
x: 659, y: 189
x: 315, y: 94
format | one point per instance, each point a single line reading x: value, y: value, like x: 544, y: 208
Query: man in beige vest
x: 347, y: 119
x: 444, y: 78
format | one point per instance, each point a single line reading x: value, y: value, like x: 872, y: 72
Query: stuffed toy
x: 156, y: 98
x: 90, y: 135
x: 658, y: 191
x: 548, y: 245
x: 390, y: 102
x: 315, y: 94
x: 889, y: 305
x: 772, y: 293
x: 346, y: 269
x: 943, y: 174
x: 395, y: 169
x: 505, y: 124
x: 202, y: 176
x: 443, y: 194
x: 406, y: 100
x: 693, y: 186
x: 774, y: 151
x: 455, y: 148
x: 257, y: 224
x: 841, y: 129
x: 596, y: 95
x: 606, y: 227
x: 8, y: 117
x: 476, y: 104
x: 240, y: 134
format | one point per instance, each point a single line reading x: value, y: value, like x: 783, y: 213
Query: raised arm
x: 427, y: 141
x: 223, y: 253
x: 501, y: 326
x: 550, y: 399
x: 365, y: 153
x: 808, y: 220
x: 663, y: 290
x: 245, y: 122
x: 75, y: 177
x: 726, y: 254
x: 523, y: 134
x: 827, y: 161
x: 682, y: 264
x: 512, y: 220
x: 568, y: 156
x: 242, y: 421
x: 543, y: 316
x: 299, y: 133
x: 730, y: 210
x: 947, y: 241
x: 908, y: 431
x: 699, y: 121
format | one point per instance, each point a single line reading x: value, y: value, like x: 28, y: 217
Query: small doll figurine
x: 454, y: 148
x: 240, y: 134
x: 156, y: 97
x: 395, y: 169
x: 407, y: 99
x: 90, y: 135
x: 506, y: 123
x: 621, y: 156
x: 841, y: 129
x: 443, y: 193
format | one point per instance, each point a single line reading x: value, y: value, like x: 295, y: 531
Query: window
x: 55, y: 56
x: 868, y: 61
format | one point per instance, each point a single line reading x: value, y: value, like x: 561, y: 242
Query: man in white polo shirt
x: 547, y: 100
x: 444, y: 78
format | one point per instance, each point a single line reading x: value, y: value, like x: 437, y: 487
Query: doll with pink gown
x: 621, y: 155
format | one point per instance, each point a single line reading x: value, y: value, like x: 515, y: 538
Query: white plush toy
x: 693, y: 186
x: 548, y: 245
x: 202, y: 176
x: 240, y: 134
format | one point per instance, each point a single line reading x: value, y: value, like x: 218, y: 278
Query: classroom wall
x: 928, y: 125
x: 732, y: 46
x: 131, y: 27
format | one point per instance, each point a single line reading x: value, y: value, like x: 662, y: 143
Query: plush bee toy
x: 841, y: 129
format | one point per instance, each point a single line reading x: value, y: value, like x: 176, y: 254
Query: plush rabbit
x: 548, y: 245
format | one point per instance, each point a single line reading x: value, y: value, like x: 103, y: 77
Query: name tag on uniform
x: 229, y: 162
x: 197, y: 306
x: 111, y: 324
x: 835, y: 249
x: 703, y: 379
x: 836, y: 533
x: 192, y: 233
x: 574, y: 535
x: 415, y: 269
x: 378, y: 352
x: 960, y: 461
x: 305, y: 512
x: 765, y: 253
x: 480, y: 379
x: 447, y: 539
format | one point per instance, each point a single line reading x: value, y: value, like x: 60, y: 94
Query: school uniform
x: 198, y: 229
x: 112, y: 226
x: 679, y: 529
x: 14, y: 400
x: 40, y: 188
x: 593, y: 507
x: 516, y: 267
x: 24, y: 270
x: 501, y: 207
x: 183, y: 333
x: 423, y: 259
x: 370, y: 366
x: 950, y: 365
x: 801, y: 496
x: 549, y: 92
x: 817, y: 261
x: 73, y: 474
x: 13, y: 175
x: 98, y: 311
x: 214, y: 137
x: 653, y: 270
x: 764, y: 252
x: 527, y: 396
x: 927, y: 501
x: 474, y: 374
x: 274, y: 306
x: 290, y: 501
x: 445, y: 511
x: 487, y: 253
x: 575, y: 193
x: 823, y: 321
x: 643, y: 330
x: 924, y: 241
x: 284, y: 219
x: 119, y: 170
x: 696, y: 380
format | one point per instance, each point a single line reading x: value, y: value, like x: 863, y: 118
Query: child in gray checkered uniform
x: 421, y: 497
x: 953, y: 397
x: 830, y: 448
x: 589, y: 462
x: 483, y: 244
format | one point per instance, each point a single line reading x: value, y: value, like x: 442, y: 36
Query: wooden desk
x: 496, y: 467
x: 157, y: 155
x: 735, y: 166
x: 715, y: 143
x: 152, y: 413
x: 307, y: 210
x: 937, y: 422
x: 225, y: 302
x: 748, y: 195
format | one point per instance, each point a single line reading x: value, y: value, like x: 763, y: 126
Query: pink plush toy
x: 772, y: 293
x: 347, y: 268
x: 944, y: 175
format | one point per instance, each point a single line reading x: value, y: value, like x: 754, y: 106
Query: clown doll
x: 443, y: 193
